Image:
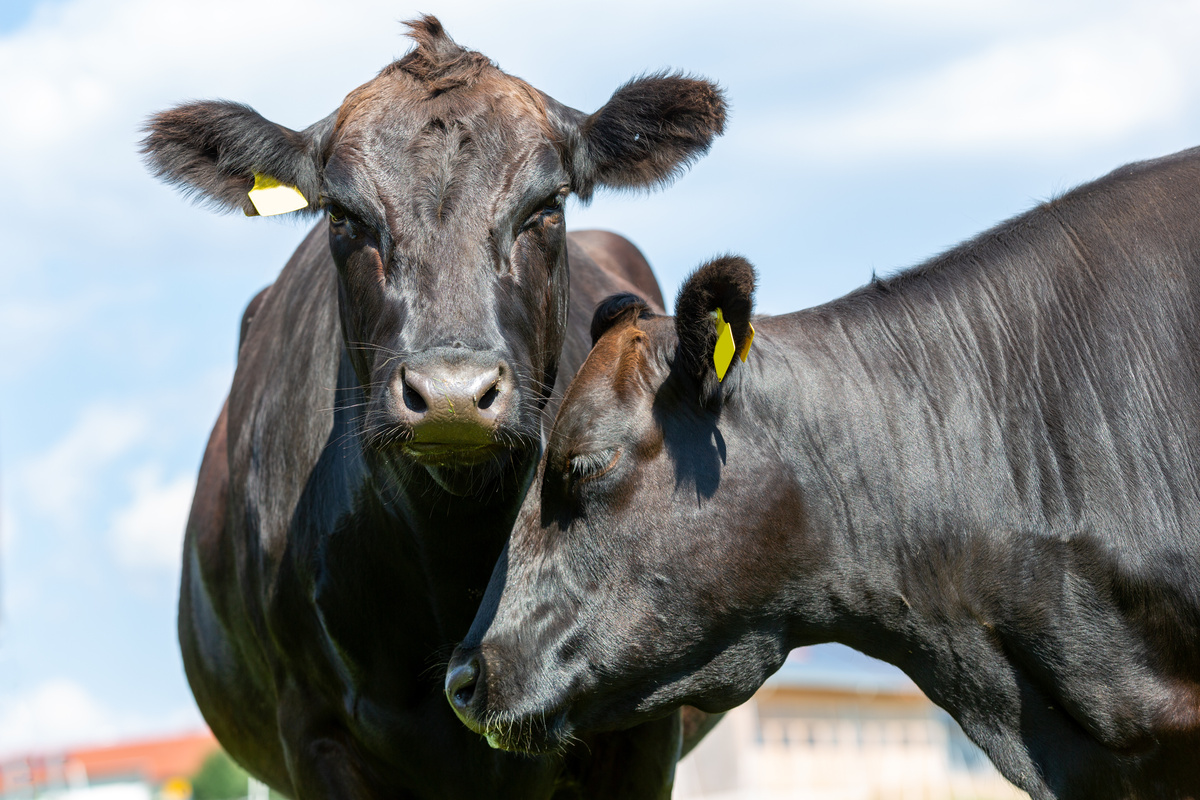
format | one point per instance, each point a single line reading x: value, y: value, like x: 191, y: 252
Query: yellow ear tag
x: 744, y: 353
x: 270, y: 197
x: 723, y: 352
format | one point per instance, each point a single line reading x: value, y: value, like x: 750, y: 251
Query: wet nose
x: 453, y: 402
x: 462, y: 677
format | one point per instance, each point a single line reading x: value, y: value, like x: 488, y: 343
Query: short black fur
x: 982, y: 470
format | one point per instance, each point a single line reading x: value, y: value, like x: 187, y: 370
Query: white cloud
x: 148, y: 533
x: 47, y: 321
x: 61, y: 481
x: 1040, y: 93
x: 59, y: 713
x: 8, y: 529
x: 55, y: 712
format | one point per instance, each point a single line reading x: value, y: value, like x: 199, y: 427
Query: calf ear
x: 649, y: 131
x: 726, y: 283
x: 617, y: 308
x: 214, y: 150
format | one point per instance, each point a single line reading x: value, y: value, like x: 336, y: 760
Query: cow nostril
x: 413, y: 399
x: 489, y: 396
x: 460, y: 685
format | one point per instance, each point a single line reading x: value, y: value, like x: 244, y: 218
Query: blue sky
x: 864, y: 135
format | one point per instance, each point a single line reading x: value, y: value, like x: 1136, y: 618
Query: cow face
x: 642, y: 570
x: 443, y: 181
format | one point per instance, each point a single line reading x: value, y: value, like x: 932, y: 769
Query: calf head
x: 443, y: 181
x: 642, y: 569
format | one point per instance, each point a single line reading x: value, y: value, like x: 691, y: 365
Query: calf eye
x: 589, y: 466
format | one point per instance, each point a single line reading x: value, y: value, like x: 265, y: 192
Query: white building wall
x: 863, y: 750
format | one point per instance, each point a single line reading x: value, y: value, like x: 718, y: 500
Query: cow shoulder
x: 283, y: 394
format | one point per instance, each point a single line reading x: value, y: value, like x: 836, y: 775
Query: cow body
x: 298, y: 563
x: 982, y: 470
x: 385, y: 417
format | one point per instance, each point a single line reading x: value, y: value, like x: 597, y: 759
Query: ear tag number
x: 270, y: 197
x: 723, y: 352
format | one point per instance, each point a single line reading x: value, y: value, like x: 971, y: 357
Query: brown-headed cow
x: 985, y: 470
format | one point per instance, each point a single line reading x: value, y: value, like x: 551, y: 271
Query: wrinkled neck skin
x: 957, y: 522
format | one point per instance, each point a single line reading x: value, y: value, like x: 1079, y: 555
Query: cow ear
x: 649, y: 131
x: 217, y: 150
x: 618, y: 308
x: 720, y: 293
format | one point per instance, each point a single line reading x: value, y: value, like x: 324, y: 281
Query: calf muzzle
x: 462, y: 680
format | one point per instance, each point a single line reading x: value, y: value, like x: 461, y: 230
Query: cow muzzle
x: 453, y: 407
x: 466, y: 690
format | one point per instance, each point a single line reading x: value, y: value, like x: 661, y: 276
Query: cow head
x: 641, y: 571
x: 443, y: 181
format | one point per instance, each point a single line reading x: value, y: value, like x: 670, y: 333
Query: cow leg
x: 321, y: 756
x: 633, y: 764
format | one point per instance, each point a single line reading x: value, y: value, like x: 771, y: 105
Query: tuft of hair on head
x: 726, y: 283
x: 437, y: 61
x: 623, y: 307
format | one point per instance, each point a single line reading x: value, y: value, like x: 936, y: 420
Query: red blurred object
x: 152, y: 761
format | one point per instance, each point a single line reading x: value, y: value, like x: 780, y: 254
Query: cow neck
x: 965, y: 476
x: 908, y: 454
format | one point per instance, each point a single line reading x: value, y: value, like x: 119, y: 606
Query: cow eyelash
x: 589, y: 466
x: 339, y: 217
x: 553, y: 205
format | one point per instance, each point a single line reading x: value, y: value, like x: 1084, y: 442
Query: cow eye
x: 340, y: 221
x: 589, y: 466
x: 551, y: 211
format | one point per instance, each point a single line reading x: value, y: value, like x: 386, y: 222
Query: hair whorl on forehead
x: 438, y: 61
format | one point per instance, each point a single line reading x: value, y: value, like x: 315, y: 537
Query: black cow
x: 983, y: 470
x: 385, y: 417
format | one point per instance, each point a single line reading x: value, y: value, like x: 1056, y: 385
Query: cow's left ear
x: 649, y: 131
x: 712, y: 319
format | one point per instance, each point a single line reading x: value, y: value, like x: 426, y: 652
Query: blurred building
x: 147, y: 770
x: 833, y: 724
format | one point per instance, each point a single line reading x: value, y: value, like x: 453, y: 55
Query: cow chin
x: 531, y: 735
x: 466, y: 476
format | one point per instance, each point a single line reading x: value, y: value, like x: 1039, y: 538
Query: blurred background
x: 865, y: 136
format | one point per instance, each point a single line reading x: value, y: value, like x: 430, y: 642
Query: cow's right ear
x: 215, y: 149
x: 618, y: 308
x: 720, y: 293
